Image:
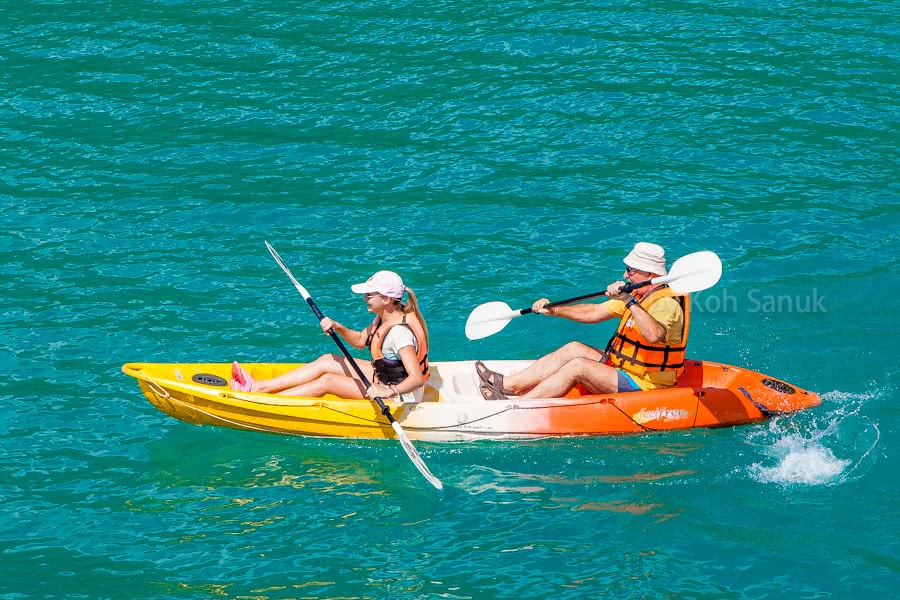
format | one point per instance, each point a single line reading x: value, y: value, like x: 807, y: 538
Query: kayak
x: 708, y: 394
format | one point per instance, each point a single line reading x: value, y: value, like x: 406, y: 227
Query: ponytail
x: 412, y: 306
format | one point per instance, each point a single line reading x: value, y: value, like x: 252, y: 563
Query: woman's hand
x: 376, y: 390
x: 327, y: 324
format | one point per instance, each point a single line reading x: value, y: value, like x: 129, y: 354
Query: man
x: 646, y: 352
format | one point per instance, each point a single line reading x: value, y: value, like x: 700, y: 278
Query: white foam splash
x: 801, y: 445
x: 801, y: 461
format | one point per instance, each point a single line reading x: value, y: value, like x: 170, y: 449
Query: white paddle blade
x: 284, y: 268
x: 489, y: 318
x: 693, y: 272
x: 414, y: 456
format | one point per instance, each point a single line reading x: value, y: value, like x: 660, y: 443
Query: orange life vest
x: 392, y: 371
x: 630, y: 351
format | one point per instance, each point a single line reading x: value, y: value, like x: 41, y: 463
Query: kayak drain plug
x: 208, y: 379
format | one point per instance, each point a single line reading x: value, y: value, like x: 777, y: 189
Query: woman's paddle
x: 691, y: 273
x: 401, y: 435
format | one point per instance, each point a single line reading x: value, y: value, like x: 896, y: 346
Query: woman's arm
x: 357, y: 339
x: 413, y: 381
x: 416, y: 379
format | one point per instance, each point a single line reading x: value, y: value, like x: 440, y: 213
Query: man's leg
x: 546, y: 366
x: 596, y: 376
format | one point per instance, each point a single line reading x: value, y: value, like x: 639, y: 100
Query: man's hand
x: 614, y: 291
x: 540, y: 307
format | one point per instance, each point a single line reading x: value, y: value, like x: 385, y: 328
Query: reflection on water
x: 631, y: 508
x: 592, y: 479
x: 637, y: 477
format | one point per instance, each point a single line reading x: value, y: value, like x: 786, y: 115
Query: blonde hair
x: 412, y: 306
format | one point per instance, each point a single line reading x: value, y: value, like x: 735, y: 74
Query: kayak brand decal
x: 659, y: 414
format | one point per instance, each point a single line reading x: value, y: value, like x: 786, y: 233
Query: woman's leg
x: 325, y: 364
x: 329, y: 383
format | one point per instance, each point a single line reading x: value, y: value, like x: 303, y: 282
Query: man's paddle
x: 401, y: 435
x: 691, y: 273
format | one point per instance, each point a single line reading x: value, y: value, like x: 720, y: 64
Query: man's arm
x: 652, y: 330
x: 581, y: 313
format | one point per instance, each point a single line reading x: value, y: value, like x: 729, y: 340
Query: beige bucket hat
x: 647, y: 257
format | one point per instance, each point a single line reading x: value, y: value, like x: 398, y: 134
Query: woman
x: 397, y: 339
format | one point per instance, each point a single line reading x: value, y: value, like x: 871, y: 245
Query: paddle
x: 401, y: 435
x: 690, y: 273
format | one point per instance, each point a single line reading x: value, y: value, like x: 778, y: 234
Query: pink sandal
x: 240, y: 378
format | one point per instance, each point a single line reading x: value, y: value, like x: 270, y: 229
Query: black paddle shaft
x: 628, y: 287
x: 337, y: 340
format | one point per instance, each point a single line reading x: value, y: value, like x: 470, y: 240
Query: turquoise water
x: 493, y: 151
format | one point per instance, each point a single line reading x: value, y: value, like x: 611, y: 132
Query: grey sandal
x: 490, y: 378
x: 489, y: 392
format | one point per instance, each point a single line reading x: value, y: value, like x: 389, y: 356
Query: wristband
x: 631, y: 302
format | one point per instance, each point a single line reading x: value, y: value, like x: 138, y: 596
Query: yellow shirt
x: 668, y: 313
